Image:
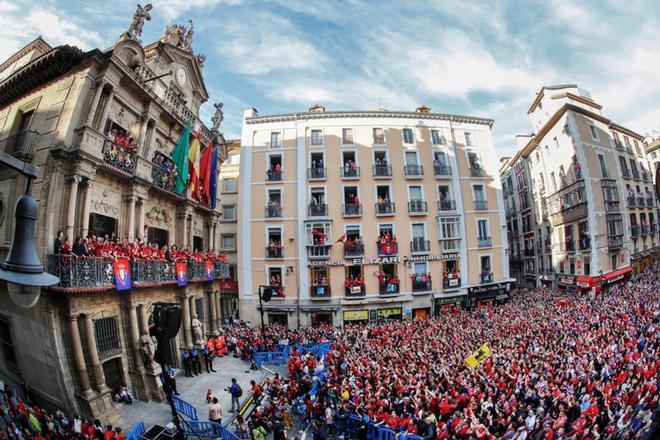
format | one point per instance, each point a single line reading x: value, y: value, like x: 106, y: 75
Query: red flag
x: 193, y: 156
x: 342, y: 238
x: 205, y: 173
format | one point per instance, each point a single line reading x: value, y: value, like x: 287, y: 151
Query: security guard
x: 208, y: 359
x: 187, y: 363
x: 196, y: 364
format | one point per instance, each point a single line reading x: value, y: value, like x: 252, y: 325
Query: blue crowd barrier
x: 185, y: 408
x: 137, y: 431
x: 208, y: 430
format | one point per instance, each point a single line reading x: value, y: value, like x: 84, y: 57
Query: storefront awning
x: 617, y: 275
x: 585, y: 282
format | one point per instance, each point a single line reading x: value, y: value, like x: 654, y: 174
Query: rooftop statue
x: 179, y: 35
x: 218, y: 117
x: 139, y: 17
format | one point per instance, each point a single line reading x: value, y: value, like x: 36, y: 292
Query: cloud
x: 171, y: 9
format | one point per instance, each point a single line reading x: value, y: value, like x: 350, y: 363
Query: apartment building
x: 593, y: 209
x: 366, y: 215
x: 652, y: 147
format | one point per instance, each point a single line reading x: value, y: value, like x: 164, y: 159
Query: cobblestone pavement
x: 194, y: 391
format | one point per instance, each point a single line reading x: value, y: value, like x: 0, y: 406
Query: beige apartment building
x: 65, y: 110
x: 581, y: 189
x: 364, y: 215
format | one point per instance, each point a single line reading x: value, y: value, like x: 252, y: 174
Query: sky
x: 473, y: 58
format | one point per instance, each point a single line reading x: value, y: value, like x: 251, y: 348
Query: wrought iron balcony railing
x: 387, y: 249
x: 318, y: 210
x: 353, y: 250
x: 388, y: 288
x: 164, y: 177
x: 615, y: 241
x: 385, y: 208
x: 484, y: 242
x: 382, y: 171
x: 316, y: 173
x: 320, y: 291
x: 273, y: 211
x: 422, y: 286
x: 480, y: 205
x: 414, y: 170
x: 635, y: 231
x: 274, y: 252
x: 446, y: 205
x: 348, y: 172
x: 21, y: 144
x: 442, y: 170
x: 417, y: 207
x: 354, y: 291
x: 120, y: 157
x: 476, y: 172
x: 351, y: 209
x: 273, y: 176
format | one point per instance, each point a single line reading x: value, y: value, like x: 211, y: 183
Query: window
x: 106, y: 335
x: 318, y: 233
x: 614, y: 261
x: 415, y: 193
x: 418, y: 231
x: 229, y: 185
x: 485, y: 263
x: 603, y: 166
x: 554, y: 181
x: 7, y: 345
x: 411, y: 158
x: 228, y: 242
x: 624, y: 166
x: 274, y: 203
x: 450, y: 232
x: 436, y: 137
x: 474, y: 162
x: 469, y: 142
x: 408, y: 136
x: 379, y: 136
x: 479, y: 193
x: 440, y: 158
x: 594, y: 132
x: 275, y: 139
x: 637, y: 150
x: 228, y: 212
x: 483, y: 231
x: 18, y: 142
x: 317, y: 137
x: 275, y: 281
x: 158, y: 236
x: 350, y: 168
x: 347, y: 136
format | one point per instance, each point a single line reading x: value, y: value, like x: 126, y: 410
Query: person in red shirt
x: 118, y: 434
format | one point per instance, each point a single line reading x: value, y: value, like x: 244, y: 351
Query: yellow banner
x: 480, y: 355
x: 356, y: 315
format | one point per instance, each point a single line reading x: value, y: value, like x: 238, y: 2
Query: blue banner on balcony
x: 181, y: 273
x: 122, y: 274
x: 209, y: 270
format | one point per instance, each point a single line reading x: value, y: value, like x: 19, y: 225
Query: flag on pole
x: 205, y: 173
x: 180, y: 158
x: 213, y: 178
x: 193, y: 157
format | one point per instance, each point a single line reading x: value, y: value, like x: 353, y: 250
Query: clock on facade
x: 181, y: 76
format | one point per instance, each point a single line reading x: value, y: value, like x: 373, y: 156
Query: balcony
x: 317, y: 173
x: 585, y: 243
x: 420, y: 245
x: 480, y: 205
x: 97, y: 273
x: 614, y: 241
x: 486, y: 277
x: 635, y: 231
x: 451, y: 283
x: 164, y: 177
x: 650, y: 202
x: 446, y: 205
x: 318, y: 251
x: 421, y: 286
x: 379, y: 139
x: 274, y: 251
x: 655, y: 227
x: 569, y: 245
x: 569, y: 203
x: 386, y: 249
x: 382, y: 171
x: 321, y: 291
x: 619, y: 145
x: 20, y: 145
x: 273, y: 212
x: 484, y: 242
x: 646, y: 177
x: 529, y: 252
x: 120, y: 157
x: 646, y: 229
x: 273, y: 175
x: 353, y: 250
x: 351, y: 210
x: 548, y: 244
x: 442, y: 170
x: 317, y: 210
x: 356, y: 291
x: 476, y: 172
x: 391, y: 288
x: 417, y: 207
x: 641, y: 200
x: 385, y: 208
x: 625, y: 172
x: 611, y: 206
x: 349, y: 173
x: 635, y: 174
x: 414, y: 171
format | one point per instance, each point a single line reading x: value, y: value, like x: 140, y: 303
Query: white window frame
x: 426, y: 235
x: 270, y: 140
x: 450, y: 192
x: 476, y: 225
x: 421, y: 187
x: 352, y: 133
x: 268, y: 159
x: 469, y: 139
x: 380, y: 150
x: 327, y: 225
x: 490, y: 261
x: 456, y: 220
x: 348, y: 150
x: 405, y: 156
x: 311, y: 137
x: 353, y: 225
x: 416, y: 264
x: 325, y: 193
x: 282, y: 269
x: 403, y: 136
x: 222, y: 241
x: 233, y: 206
x: 441, y: 138
x: 392, y: 226
x: 593, y: 131
x: 358, y: 194
x: 224, y: 187
x: 373, y: 138
x: 474, y: 193
x: 267, y: 191
x: 389, y: 188
x: 442, y: 150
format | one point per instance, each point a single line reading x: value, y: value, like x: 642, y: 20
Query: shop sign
x: 356, y: 315
x: 324, y: 263
x: 449, y: 300
x: 583, y: 284
x: 615, y: 279
x: 407, y: 312
x: 569, y: 281
x: 453, y: 282
x: 379, y: 260
x: 501, y: 297
x: 422, y: 258
x: 384, y: 313
x: 486, y: 289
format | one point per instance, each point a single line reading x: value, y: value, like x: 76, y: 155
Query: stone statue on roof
x: 179, y: 35
x: 140, y: 15
x: 187, y: 39
x: 218, y: 117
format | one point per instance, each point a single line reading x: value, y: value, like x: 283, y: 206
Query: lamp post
x: 23, y: 271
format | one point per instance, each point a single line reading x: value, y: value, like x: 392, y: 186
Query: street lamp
x: 23, y: 271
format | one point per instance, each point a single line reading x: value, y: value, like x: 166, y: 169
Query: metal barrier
x: 207, y: 430
x: 137, y: 431
x: 185, y: 408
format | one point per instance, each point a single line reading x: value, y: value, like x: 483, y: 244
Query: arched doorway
x: 114, y: 373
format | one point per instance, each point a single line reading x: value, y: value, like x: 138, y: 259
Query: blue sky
x: 476, y: 58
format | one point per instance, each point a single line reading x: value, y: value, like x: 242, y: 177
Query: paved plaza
x: 194, y: 391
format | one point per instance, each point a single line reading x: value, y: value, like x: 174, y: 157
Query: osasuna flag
x: 180, y: 158
x: 181, y: 273
x: 122, y: 274
x: 205, y: 173
x: 209, y: 270
x: 193, y: 158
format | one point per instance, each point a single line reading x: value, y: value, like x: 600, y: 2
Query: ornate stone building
x: 59, y: 108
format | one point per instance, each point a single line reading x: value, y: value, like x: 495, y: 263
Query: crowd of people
x: 21, y: 418
x: 563, y: 366
x: 123, y: 147
x: 164, y: 173
x: 111, y: 247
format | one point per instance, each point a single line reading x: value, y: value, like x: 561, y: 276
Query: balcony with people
x: 163, y: 172
x: 387, y: 244
x: 440, y: 170
x: 274, y: 171
x: 446, y: 202
x: 384, y: 205
x: 353, y: 245
x: 350, y: 170
x: 274, y: 205
x: 474, y: 165
x: 275, y: 248
x: 351, y: 206
x: 486, y: 276
x: 388, y: 282
x: 320, y: 283
x: 317, y: 206
x: 421, y: 282
x: 354, y: 282
x: 317, y: 171
x: 568, y: 204
x: 451, y: 275
x: 120, y: 150
x: 382, y: 169
x: 275, y: 282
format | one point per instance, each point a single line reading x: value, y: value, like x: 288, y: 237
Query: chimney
x: 317, y: 108
x: 422, y: 109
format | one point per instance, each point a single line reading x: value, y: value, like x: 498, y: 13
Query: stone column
x: 93, y: 354
x: 184, y: 235
x: 209, y: 235
x: 131, y: 217
x: 100, y: 85
x: 144, y: 319
x: 190, y: 231
x: 212, y: 312
x: 106, y: 107
x: 71, y: 208
x: 218, y: 306
x: 215, y: 237
x: 79, y: 357
x: 87, y: 201
x: 187, y: 330
x: 140, y: 231
x: 135, y: 338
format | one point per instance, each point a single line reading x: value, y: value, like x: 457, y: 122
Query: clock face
x: 181, y: 76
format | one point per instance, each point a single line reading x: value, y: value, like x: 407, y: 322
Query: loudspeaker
x: 266, y: 294
x: 168, y: 320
